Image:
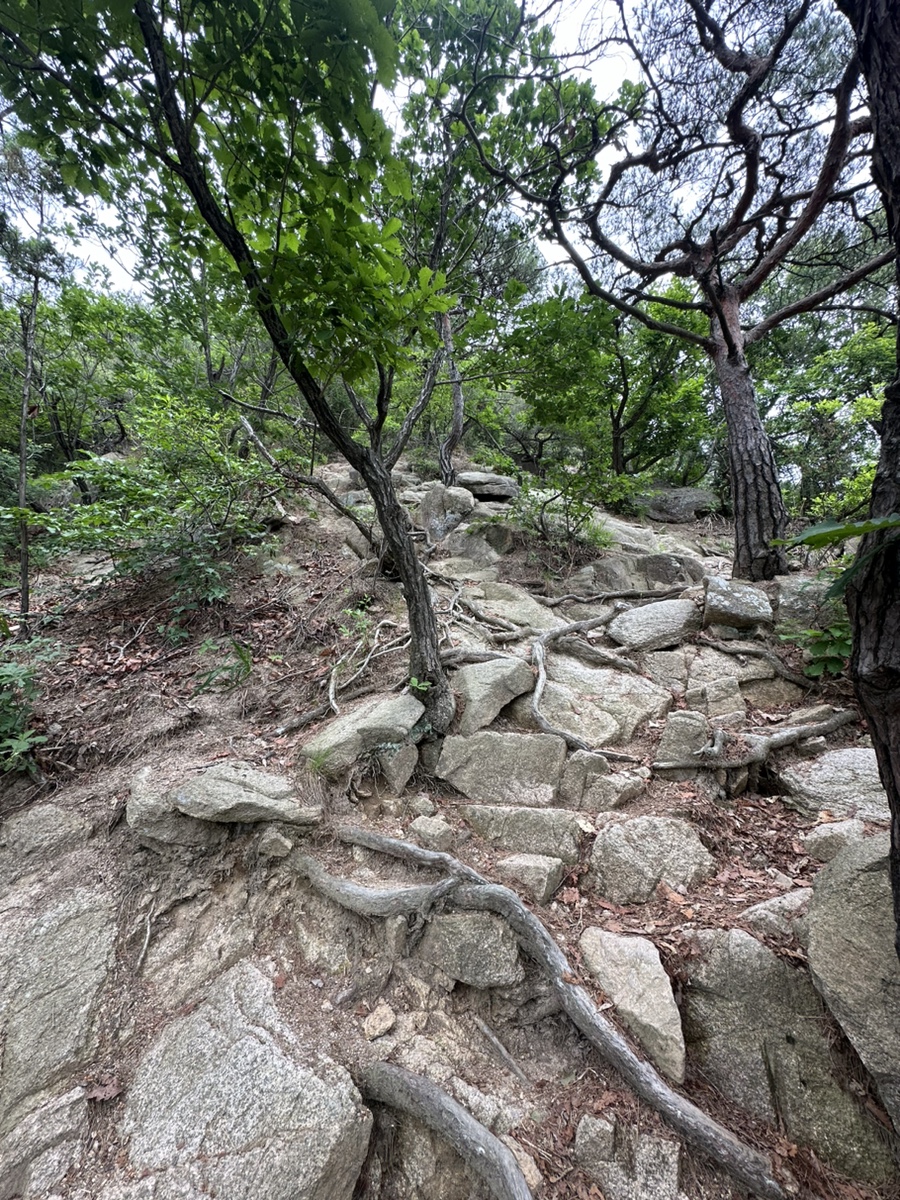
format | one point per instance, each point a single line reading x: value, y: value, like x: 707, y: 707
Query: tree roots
x: 465, y: 889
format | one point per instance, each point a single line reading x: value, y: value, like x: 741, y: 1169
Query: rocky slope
x: 625, y: 931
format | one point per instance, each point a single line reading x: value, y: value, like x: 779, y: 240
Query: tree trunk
x: 452, y: 440
x: 29, y: 322
x: 873, y: 599
x: 425, y: 667
x: 759, y: 512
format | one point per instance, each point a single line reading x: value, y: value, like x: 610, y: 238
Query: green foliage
x: 419, y: 685
x: 19, y: 689
x: 180, y: 501
x: 228, y: 674
x: 826, y: 650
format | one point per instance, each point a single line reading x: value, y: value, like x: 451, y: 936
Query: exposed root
x: 711, y: 757
x: 539, y: 661
x: 472, y: 892
x: 371, y: 902
x: 741, y: 649
x: 605, y: 597
x: 484, y: 1155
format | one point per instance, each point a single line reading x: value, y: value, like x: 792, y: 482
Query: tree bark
x: 759, y: 512
x: 873, y: 598
x: 28, y: 316
x: 452, y: 440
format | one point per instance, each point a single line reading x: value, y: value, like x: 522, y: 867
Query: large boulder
x: 442, y: 509
x: 630, y: 972
x: 628, y: 1164
x: 731, y: 602
x: 236, y: 791
x: 485, y: 688
x: 485, y: 485
x: 373, y: 725
x: 154, y: 820
x: 518, y: 606
x: 852, y: 958
x: 599, y: 704
x: 549, y: 831
x: 55, y: 954
x: 655, y: 626
x: 630, y: 857
x: 474, y: 948
x: 844, y: 783
x: 754, y: 1023
x: 678, y: 505
x: 508, y: 768
x: 227, y: 1096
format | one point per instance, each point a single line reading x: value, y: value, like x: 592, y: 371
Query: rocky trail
x: 624, y: 933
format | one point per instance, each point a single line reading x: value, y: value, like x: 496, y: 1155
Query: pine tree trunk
x: 873, y: 600
x: 759, y: 512
x: 453, y: 438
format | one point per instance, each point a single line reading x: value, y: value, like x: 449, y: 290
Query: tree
x: 32, y: 262
x: 873, y: 598
x: 245, y: 133
x: 743, y: 132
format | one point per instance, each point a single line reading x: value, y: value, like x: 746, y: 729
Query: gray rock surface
x: 485, y: 485
x: 781, y: 915
x: 754, y: 1023
x: 55, y: 954
x: 549, y: 831
x: 474, y: 948
x: 225, y: 1097
x: 685, y: 734
x: 600, y: 704
x: 509, y: 768
x: 630, y: 857
x: 669, y: 569
x: 433, y: 833
x: 236, y: 791
x: 630, y: 972
x: 680, y: 505
x: 518, y: 606
x: 155, y: 822
x: 852, y: 958
x: 397, y: 764
x: 731, y: 602
x: 29, y: 836
x: 374, y: 725
x: 827, y: 840
x: 487, y: 687
x: 38, y: 1151
x: 718, y: 698
x: 844, y: 783
x: 627, y: 1166
x: 442, y: 509
x: 800, y: 602
x: 539, y: 874
x: 655, y: 626
x: 588, y: 784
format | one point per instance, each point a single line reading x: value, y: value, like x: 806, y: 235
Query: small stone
x: 595, y: 1143
x: 529, y: 1168
x: 433, y: 833
x: 380, y: 1021
x: 273, y: 844
x: 422, y: 805
x: 539, y: 874
x: 730, y: 602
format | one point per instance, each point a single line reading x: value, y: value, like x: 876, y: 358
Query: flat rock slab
x: 781, y: 915
x: 630, y: 972
x: 485, y: 485
x: 154, y: 820
x: 754, y: 1024
x: 630, y: 857
x: 740, y: 605
x: 656, y: 626
x: 55, y: 953
x: 224, y: 1098
x: 518, y: 606
x: 474, y: 948
x: 844, y: 783
x: 236, y: 791
x: 852, y: 958
x: 378, y: 723
x: 38, y: 1150
x: 549, y: 831
x: 487, y: 687
x: 509, y: 768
